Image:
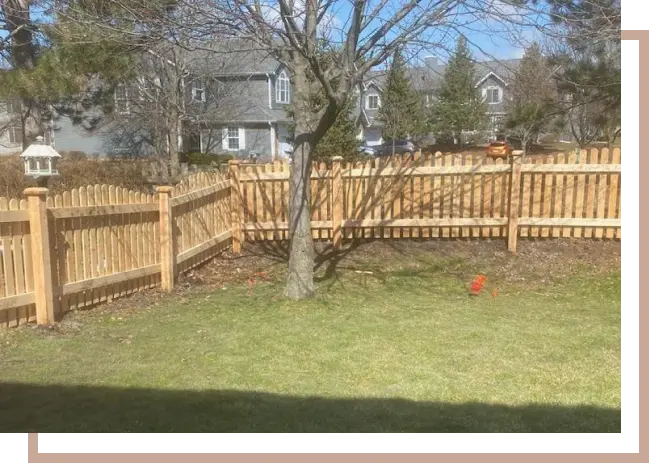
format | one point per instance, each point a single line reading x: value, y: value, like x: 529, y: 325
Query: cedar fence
x: 98, y: 243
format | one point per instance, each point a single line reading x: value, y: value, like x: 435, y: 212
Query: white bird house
x: 40, y: 160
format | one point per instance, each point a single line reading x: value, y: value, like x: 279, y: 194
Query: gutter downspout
x: 273, y: 153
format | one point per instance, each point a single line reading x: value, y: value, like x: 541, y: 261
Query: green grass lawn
x: 404, y: 349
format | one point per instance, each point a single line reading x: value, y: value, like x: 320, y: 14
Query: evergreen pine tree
x: 341, y: 138
x: 460, y: 105
x: 401, y: 111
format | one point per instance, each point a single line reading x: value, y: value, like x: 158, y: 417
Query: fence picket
x: 602, y: 192
x: 476, y: 189
x: 558, y: 191
x: 591, y: 190
x: 487, y: 198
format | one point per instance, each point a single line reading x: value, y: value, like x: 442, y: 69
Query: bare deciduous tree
x: 174, y: 95
x: 372, y: 33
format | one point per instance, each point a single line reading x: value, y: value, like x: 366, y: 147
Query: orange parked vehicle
x: 499, y: 148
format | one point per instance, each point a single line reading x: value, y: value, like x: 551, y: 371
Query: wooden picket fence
x: 443, y: 196
x: 97, y: 243
x: 101, y: 242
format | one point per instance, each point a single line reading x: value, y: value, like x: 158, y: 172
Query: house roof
x: 429, y: 77
x: 233, y: 58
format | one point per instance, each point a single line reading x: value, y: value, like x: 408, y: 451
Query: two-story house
x: 492, y: 79
x: 235, y: 102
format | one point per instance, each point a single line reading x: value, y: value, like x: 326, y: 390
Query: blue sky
x: 489, y: 38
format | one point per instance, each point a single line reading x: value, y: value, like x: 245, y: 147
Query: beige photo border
x: 35, y: 457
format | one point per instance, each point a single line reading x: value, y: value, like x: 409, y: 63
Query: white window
x: 494, y: 95
x: 13, y: 107
x: 15, y: 135
x: 198, y: 90
x: 234, y: 139
x: 148, y: 88
x: 121, y: 99
x: 430, y: 99
x: 283, y: 88
x: 372, y: 102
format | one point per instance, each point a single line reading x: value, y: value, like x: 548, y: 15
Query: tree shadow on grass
x: 53, y: 408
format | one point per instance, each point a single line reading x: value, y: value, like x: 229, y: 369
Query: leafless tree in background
x: 174, y: 96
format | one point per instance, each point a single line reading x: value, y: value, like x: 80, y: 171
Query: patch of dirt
x: 536, y: 262
x: 539, y: 261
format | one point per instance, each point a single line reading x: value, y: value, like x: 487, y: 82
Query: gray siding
x: 257, y: 137
x: 494, y: 82
x: 108, y: 140
x: 70, y: 137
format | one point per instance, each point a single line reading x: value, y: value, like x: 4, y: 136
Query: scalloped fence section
x: 104, y: 242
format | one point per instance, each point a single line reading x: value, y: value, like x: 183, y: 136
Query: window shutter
x: 242, y: 138
x: 225, y: 138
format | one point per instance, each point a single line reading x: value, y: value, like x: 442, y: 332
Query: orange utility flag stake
x: 477, y: 284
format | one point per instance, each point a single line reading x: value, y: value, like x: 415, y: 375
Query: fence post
x: 167, y: 239
x: 514, y: 195
x: 337, y: 201
x: 235, y: 206
x: 41, y: 255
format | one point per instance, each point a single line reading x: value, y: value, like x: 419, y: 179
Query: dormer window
x: 198, y: 90
x: 283, y: 88
x: 494, y: 95
x: 372, y: 101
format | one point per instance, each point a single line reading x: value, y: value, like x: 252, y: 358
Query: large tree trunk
x: 300, y: 282
x: 301, y: 259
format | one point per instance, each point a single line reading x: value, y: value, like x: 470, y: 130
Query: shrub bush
x: 76, y: 170
x: 205, y: 158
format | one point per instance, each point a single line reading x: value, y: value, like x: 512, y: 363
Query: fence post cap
x: 233, y: 162
x: 337, y: 158
x: 164, y: 189
x: 36, y: 191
